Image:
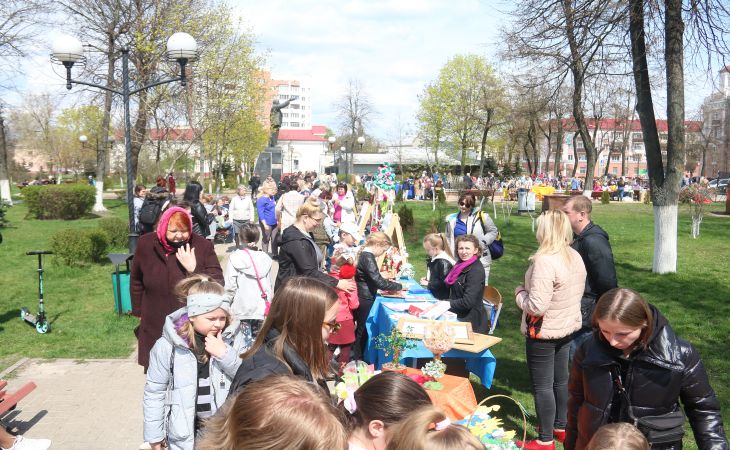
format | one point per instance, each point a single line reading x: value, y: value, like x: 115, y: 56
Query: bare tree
x: 354, y: 110
x: 17, y: 33
x: 566, y: 37
x: 101, y: 23
x: 708, y: 24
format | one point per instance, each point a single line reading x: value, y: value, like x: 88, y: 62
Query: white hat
x: 352, y: 229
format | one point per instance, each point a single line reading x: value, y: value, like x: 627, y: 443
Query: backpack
x: 496, y: 248
x: 151, y: 209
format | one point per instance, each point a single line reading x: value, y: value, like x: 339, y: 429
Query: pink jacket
x: 551, y: 304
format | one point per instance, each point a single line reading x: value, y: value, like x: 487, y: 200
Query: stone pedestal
x: 269, y: 163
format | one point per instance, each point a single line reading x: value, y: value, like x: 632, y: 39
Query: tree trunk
x: 4, y: 179
x: 578, y: 70
x: 487, y: 126
x: 139, y: 130
x: 558, y: 147
x: 664, y: 186
x: 103, y: 141
x: 575, y: 154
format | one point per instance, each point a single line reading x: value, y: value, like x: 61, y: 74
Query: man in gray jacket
x: 591, y: 242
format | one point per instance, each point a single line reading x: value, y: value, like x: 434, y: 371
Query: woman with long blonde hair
x: 550, y: 304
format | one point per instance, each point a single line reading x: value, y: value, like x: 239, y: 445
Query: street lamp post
x: 331, y: 141
x: 181, y: 47
x: 343, y: 150
x: 360, y: 141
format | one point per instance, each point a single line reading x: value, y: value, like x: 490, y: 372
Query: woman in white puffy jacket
x: 191, y: 365
x: 248, y: 280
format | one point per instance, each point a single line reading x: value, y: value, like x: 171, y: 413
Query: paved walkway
x: 83, y: 404
x: 91, y: 404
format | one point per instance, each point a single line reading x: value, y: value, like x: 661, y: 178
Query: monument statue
x: 275, y: 117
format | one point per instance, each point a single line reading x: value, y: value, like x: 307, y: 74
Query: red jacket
x: 152, y: 281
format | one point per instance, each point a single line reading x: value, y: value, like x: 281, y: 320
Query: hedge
x: 79, y: 247
x: 59, y: 201
x: 116, y: 230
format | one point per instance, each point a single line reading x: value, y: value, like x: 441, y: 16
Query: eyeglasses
x: 333, y: 326
x: 462, y: 204
x: 317, y: 219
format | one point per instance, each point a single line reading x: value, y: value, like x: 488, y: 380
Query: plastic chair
x: 492, y: 300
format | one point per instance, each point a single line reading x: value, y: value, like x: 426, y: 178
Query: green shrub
x: 440, y: 196
x: 60, y: 201
x: 406, y: 216
x: 3, y: 209
x: 79, y: 247
x: 605, y: 198
x: 362, y: 194
x: 116, y: 230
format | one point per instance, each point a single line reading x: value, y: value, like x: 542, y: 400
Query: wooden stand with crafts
x: 391, y: 261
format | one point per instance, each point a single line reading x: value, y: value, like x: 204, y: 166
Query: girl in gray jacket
x: 192, y: 364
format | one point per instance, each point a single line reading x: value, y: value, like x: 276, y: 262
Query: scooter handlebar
x: 39, y: 253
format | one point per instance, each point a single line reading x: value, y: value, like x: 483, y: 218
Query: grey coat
x: 170, y: 392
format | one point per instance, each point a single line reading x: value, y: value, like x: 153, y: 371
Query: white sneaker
x: 145, y: 446
x: 22, y: 443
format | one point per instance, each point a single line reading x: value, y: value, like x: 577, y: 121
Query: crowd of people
x: 237, y: 359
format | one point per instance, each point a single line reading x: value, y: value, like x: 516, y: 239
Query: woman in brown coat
x: 162, y: 259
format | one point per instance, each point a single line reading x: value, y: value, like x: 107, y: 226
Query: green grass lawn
x: 695, y: 300
x: 79, y: 300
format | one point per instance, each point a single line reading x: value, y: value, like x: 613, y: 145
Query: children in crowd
x: 440, y: 263
x: 369, y: 280
x: 618, y: 436
x: 375, y: 407
x: 191, y: 365
x: 430, y: 429
x: 345, y: 251
x: 293, y: 336
x: 248, y: 279
x: 276, y: 413
x: 348, y: 302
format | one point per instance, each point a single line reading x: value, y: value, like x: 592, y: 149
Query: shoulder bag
x: 664, y: 429
x: 265, y: 297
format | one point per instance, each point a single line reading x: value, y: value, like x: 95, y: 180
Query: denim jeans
x: 547, y: 361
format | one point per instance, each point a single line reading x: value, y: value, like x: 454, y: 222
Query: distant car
x: 720, y: 185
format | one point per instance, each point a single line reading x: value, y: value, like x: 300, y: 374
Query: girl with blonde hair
x: 440, y: 263
x: 276, y: 413
x: 191, y: 365
x: 430, y: 429
x: 550, y: 304
x: 618, y: 436
x: 369, y: 280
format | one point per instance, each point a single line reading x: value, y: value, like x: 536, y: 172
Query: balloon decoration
x: 385, y: 178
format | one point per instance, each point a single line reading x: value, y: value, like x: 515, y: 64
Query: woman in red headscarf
x: 162, y: 259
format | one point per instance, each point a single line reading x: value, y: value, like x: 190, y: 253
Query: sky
x: 394, y: 48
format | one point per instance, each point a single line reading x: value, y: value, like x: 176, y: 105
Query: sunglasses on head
x: 333, y: 326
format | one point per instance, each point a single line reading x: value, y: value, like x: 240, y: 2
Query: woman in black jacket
x: 633, y: 346
x: 197, y: 210
x: 299, y: 255
x: 440, y: 262
x: 293, y: 338
x: 467, y: 284
x: 369, y: 280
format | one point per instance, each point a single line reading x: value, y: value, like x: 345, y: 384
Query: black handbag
x: 664, y: 429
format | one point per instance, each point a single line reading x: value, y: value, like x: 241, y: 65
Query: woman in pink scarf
x: 162, y: 259
x: 467, y: 284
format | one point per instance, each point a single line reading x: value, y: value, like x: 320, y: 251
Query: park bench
x: 8, y: 400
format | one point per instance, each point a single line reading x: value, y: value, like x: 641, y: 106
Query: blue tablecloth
x: 380, y: 321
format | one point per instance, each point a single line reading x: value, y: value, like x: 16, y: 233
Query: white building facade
x: 298, y: 115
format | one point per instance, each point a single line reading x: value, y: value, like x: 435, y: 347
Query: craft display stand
x: 395, y: 233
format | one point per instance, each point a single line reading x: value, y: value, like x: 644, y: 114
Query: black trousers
x: 547, y: 361
x: 361, y: 334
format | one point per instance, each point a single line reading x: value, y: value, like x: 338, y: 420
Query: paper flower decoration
x: 385, y: 178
